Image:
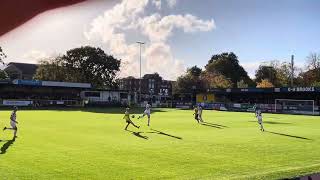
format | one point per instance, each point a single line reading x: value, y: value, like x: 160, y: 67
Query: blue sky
x: 255, y: 30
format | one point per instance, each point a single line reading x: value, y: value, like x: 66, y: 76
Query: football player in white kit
x: 259, y: 117
x: 13, y: 122
x: 147, y: 112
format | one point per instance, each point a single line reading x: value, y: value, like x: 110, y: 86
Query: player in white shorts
x: 259, y: 117
x: 147, y: 112
x: 13, y: 121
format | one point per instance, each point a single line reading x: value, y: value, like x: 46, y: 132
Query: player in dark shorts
x: 196, y: 117
x: 128, y: 120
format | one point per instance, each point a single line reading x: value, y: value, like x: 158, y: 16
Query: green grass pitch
x: 92, y: 144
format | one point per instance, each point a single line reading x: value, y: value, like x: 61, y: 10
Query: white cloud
x: 172, y: 3
x: 159, y: 28
x: 34, y: 56
x: 113, y: 27
x: 160, y: 59
x: 157, y: 3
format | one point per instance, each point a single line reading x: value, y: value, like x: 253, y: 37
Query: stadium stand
x: 41, y: 93
x: 298, y: 100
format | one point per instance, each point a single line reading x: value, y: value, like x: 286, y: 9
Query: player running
x: 13, y: 122
x: 254, y: 108
x: 259, y: 117
x: 147, y: 112
x: 196, y: 111
x: 200, y: 113
x: 128, y: 120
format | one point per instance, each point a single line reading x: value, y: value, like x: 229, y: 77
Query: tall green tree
x: 93, y: 65
x: 266, y: 72
x: 52, y: 69
x: 190, y: 82
x: 278, y: 73
x: 227, y: 64
x: 85, y: 65
x: 283, y: 73
x: 194, y: 71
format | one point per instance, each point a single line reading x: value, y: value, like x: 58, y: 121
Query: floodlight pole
x: 292, y: 69
x: 140, y: 44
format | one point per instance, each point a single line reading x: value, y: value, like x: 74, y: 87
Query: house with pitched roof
x: 24, y: 71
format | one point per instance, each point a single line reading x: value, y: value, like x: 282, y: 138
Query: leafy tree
x: 316, y: 84
x: 279, y: 73
x: 216, y: 81
x: 3, y: 75
x: 283, y: 75
x: 313, y: 61
x: 242, y: 84
x: 311, y: 76
x: 190, y: 82
x: 2, y: 56
x: 52, y: 69
x: 227, y: 64
x: 194, y: 71
x: 266, y: 72
x: 265, y: 83
x: 85, y: 65
x: 92, y: 65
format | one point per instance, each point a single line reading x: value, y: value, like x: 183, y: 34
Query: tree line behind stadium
x: 223, y: 78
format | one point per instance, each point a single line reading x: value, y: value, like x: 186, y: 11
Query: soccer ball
x: 132, y: 116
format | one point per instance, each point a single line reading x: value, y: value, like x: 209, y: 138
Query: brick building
x: 153, y: 88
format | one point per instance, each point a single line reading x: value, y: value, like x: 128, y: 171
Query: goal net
x: 294, y: 106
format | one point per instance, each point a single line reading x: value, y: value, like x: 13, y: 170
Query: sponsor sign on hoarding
x: 66, y: 84
x: 301, y: 89
x: 16, y: 103
x: 27, y: 82
x: 51, y: 83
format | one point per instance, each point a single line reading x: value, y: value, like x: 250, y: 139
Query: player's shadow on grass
x: 6, y: 145
x: 165, y: 134
x: 271, y: 122
x: 216, y: 125
x: 138, y: 134
x: 288, y: 135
